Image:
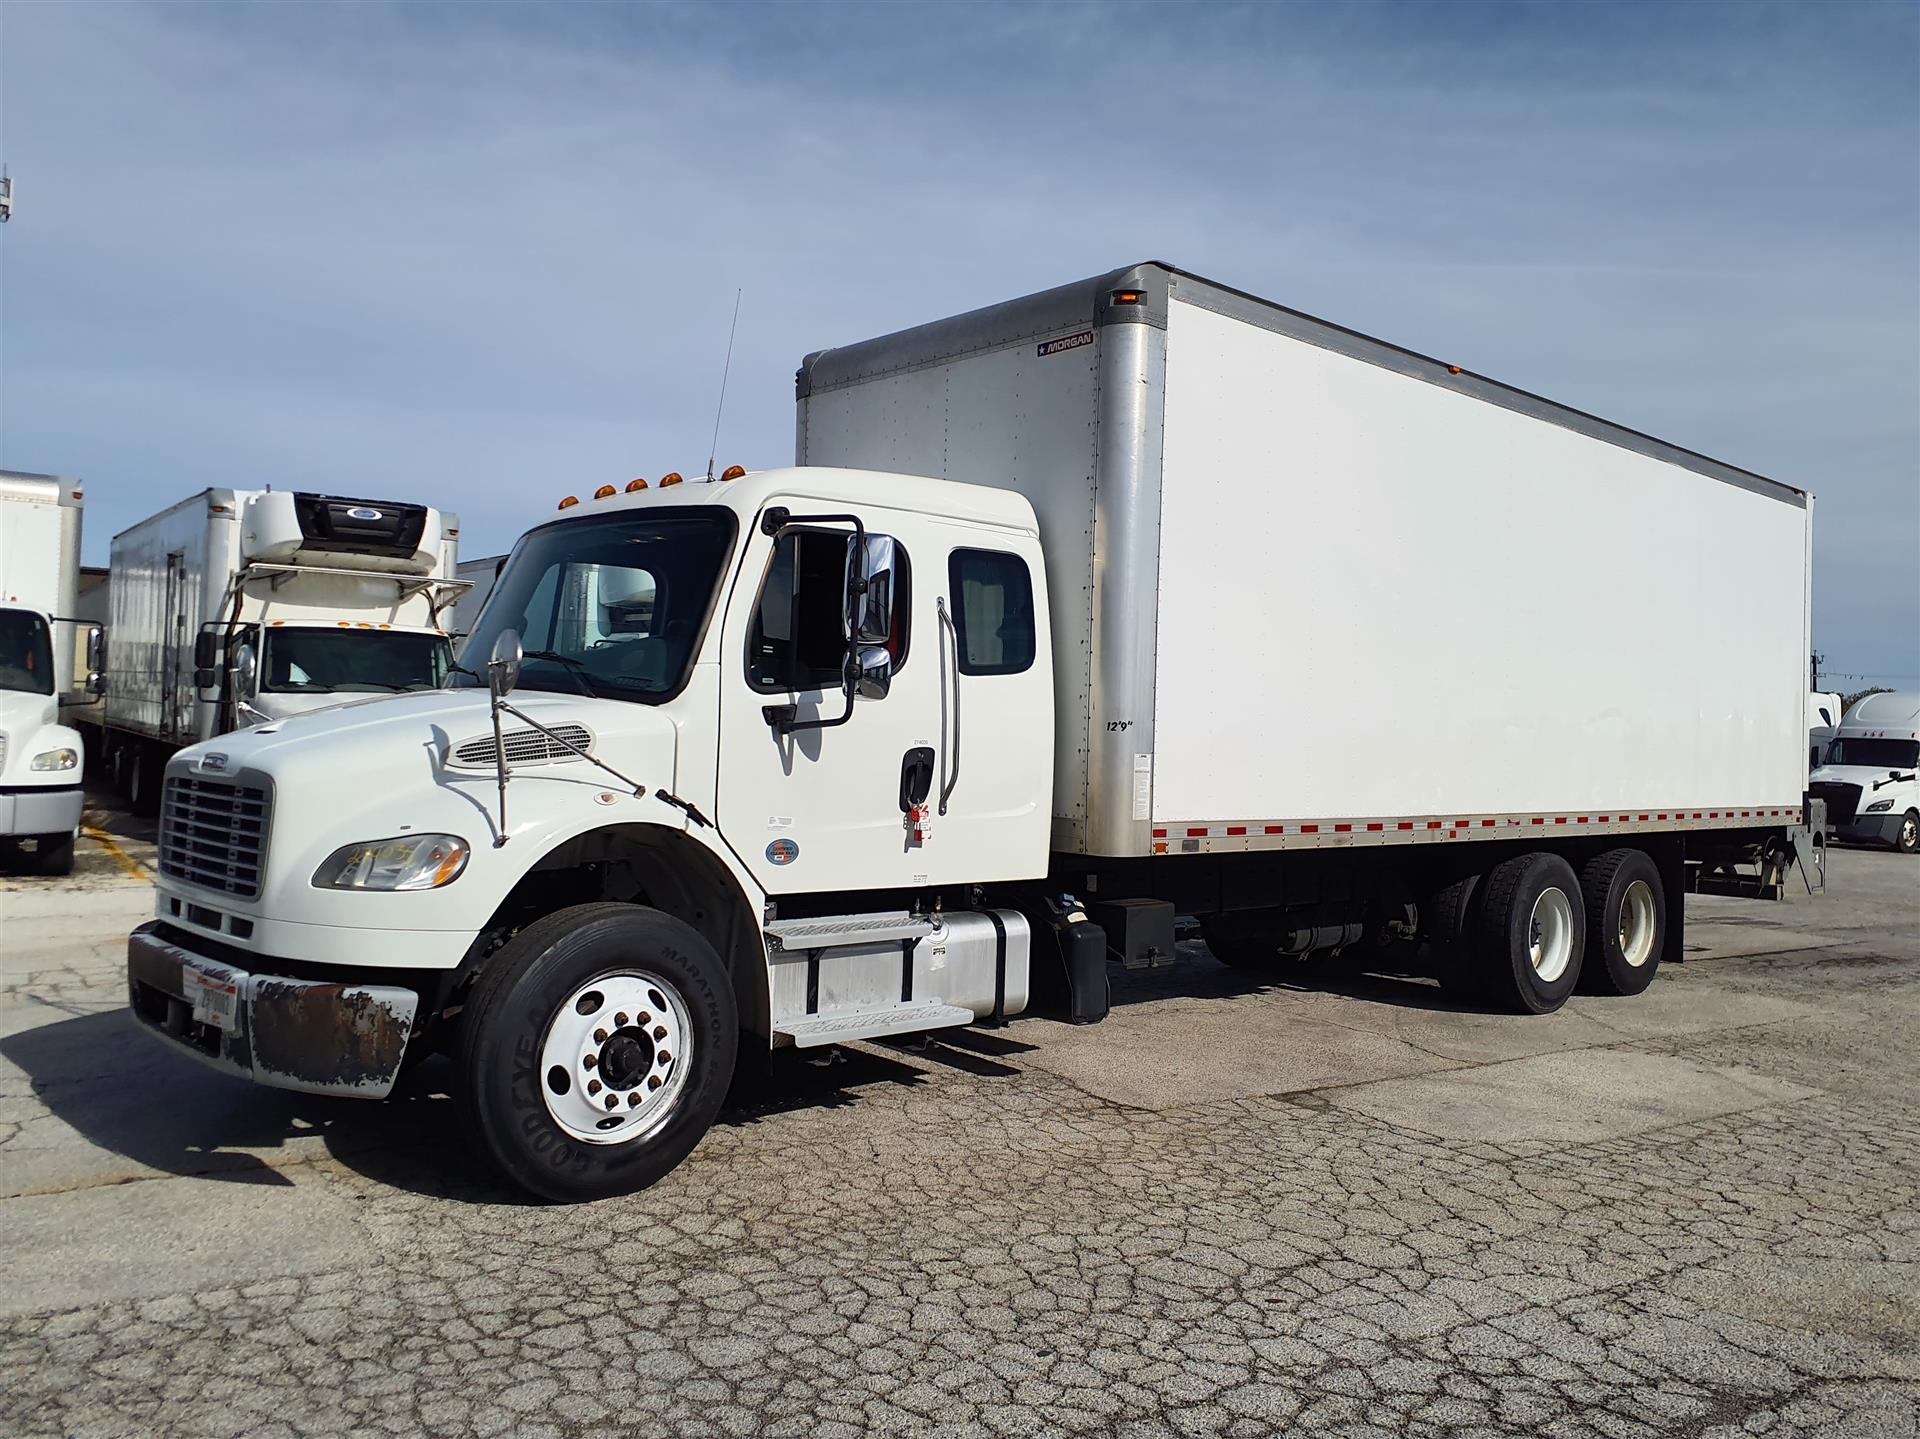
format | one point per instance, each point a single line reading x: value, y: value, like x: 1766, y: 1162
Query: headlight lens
x: 1875, y: 808
x: 407, y: 861
x: 57, y: 759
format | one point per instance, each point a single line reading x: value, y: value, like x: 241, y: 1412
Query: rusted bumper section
x: 310, y: 1035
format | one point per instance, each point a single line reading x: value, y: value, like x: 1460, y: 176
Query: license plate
x: 214, y: 1001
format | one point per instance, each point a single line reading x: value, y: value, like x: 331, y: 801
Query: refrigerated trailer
x: 1135, y: 597
x: 41, y: 755
x: 238, y: 607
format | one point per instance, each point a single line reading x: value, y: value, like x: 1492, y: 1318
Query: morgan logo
x: 213, y: 764
x: 362, y: 512
x: 782, y: 852
x: 1069, y: 342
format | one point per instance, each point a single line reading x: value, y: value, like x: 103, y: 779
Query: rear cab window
x: 992, y: 611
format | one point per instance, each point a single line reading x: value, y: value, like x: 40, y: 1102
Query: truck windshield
x: 1874, y: 753
x: 26, y: 652
x: 610, y: 607
x: 352, y: 661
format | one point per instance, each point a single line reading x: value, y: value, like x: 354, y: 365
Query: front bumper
x: 1871, y: 828
x: 309, y: 1035
x: 40, y: 809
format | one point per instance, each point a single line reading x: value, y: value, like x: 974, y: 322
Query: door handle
x: 916, y: 777
x: 950, y: 765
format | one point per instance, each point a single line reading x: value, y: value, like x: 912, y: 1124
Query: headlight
x: 57, y: 759
x: 407, y: 861
x: 1875, y: 808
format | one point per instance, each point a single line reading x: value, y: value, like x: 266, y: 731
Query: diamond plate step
x: 817, y: 1029
x: 795, y: 935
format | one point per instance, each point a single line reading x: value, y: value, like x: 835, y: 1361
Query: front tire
x: 1531, y: 933
x: 1907, y: 839
x: 1626, y: 921
x: 55, y: 854
x: 595, y: 1051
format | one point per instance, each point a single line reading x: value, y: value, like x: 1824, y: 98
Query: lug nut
x: 613, y: 1101
x: 653, y: 1081
x: 620, y: 1021
x: 591, y: 1060
x: 599, y: 1036
x: 660, y: 1031
x: 664, y: 1058
x: 633, y: 1100
x: 643, y: 1018
x: 593, y: 1086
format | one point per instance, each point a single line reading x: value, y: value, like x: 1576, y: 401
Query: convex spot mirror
x: 871, y: 577
x: 503, y: 665
x: 246, y: 671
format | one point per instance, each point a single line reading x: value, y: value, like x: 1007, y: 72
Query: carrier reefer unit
x: 235, y: 607
x: 1132, y: 597
x: 41, y: 759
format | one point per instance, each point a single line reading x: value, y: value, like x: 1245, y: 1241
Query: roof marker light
x: 604, y: 491
x: 1453, y: 369
x: 671, y: 477
x: 569, y: 502
x: 733, y: 472
x: 635, y: 486
x: 1127, y: 297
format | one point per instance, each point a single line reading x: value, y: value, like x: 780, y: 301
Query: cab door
x: 831, y: 807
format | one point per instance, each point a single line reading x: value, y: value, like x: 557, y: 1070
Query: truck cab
x: 1868, y: 777
x: 725, y: 759
x: 40, y: 758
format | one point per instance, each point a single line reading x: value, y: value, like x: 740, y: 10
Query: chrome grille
x: 214, y: 833
x: 525, y: 746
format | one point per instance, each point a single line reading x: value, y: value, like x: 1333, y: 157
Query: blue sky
x: 485, y: 256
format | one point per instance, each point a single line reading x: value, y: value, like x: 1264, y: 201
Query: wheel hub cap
x: 613, y: 1063
x: 1550, y: 935
x: 1638, y: 924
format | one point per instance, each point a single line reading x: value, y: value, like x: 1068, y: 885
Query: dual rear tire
x: 1529, y: 932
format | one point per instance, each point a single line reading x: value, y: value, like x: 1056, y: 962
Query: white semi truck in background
x: 236, y: 607
x: 1870, y: 775
x: 42, y: 760
x: 1029, y: 653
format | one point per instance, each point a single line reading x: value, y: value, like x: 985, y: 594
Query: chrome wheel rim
x: 1909, y: 832
x: 1638, y: 923
x: 614, y: 1060
x: 1550, y: 935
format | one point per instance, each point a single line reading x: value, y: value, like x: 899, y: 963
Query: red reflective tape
x: 1643, y: 818
x: 1234, y: 829
x: 1376, y: 826
x: 1561, y: 819
x: 1200, y: 833
x: 1159, y: 834
x: 1583, y: 819
x: 1461, y: 823
x: 1276, y: 829
x: 1342, y: 828
x: 1309, y: 829
x: 1486, y: 824
x: 1538, y: 820
x: 1406, y: 824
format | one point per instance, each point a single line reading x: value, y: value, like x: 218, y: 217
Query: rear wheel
x: 1530, y: 935
x: 1447, y: 917
x: 143, y: 780
x: 1626, y: 908
x: 595, y: 1050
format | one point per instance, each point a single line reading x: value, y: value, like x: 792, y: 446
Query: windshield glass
x: 351, y: 661
x: 26, y: 652
x: 610, y: 607
x: 1874, y: 753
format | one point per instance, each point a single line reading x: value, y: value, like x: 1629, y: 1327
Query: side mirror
x: 96, y: 647
x: 876, y: 674
x: 246, y: 671
x: 503, y: 665
x: 206, y: 653
x: 879, y: 568
x: 96, y: 683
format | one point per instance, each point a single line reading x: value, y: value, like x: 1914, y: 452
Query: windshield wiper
x: 576, y: 668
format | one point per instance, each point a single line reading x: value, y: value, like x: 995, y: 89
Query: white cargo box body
x: 1309, y: 589
x: 40, y: 556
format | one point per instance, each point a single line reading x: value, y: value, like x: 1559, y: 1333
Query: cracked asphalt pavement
x: 1330, y: 1207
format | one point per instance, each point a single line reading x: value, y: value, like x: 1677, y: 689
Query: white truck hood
x: 29, y: 725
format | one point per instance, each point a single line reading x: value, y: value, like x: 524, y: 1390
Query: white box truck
x: 41, y: 758
x: 1033, y: 650
x: 236, y: 607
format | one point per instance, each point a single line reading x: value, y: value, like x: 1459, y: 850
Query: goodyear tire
x: 1530, y: 933
x: 595, y: 1051
x: 1626, y: 921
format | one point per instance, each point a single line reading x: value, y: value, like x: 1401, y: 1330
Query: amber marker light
x: 569, y: 502
x: 733, y: 472
x: 604, y: 492
x: 672, y: 477
x: 635, y: 486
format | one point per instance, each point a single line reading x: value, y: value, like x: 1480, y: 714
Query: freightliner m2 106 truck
x: 235, y: 607
x: 41, y: 759
x: 1032, y: 651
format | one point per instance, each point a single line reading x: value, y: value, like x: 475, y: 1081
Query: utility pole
x: 6, y: 197
x: 1818, y: 659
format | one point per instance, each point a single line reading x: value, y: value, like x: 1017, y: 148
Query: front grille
x: 214, y: 833
x: 525, y: 746
x: 1842, y: 799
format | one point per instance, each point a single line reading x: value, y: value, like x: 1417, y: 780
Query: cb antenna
x: 721, y: 408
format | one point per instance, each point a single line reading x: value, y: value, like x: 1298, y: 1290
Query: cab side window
x: 798, y: 641
x: 992, y: 611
